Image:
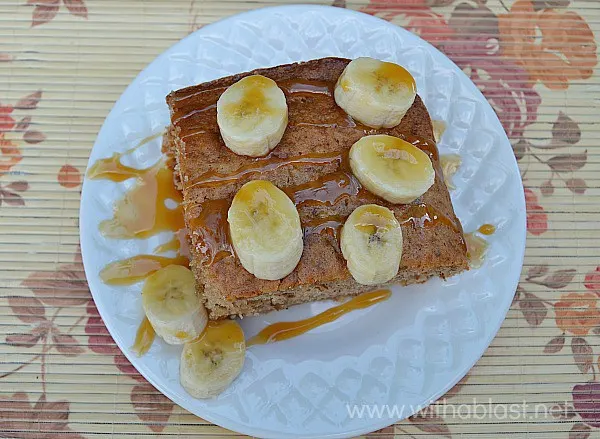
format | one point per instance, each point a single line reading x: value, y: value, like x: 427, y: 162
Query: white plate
x: 407, y: 351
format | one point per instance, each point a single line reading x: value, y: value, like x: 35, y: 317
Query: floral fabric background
x: 65, y: 62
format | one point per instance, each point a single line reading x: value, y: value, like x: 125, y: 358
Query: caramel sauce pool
x: 286, y: 330
x: 141, y: 213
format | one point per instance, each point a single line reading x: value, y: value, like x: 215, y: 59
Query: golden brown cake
x: 311, y: 165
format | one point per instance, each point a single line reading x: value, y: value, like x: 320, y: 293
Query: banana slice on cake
x: 210, y: 363
x: 376, y: 93
x: 371, y: 242
x: 391, y: 168
x: 252, y: 115
x: 172, y: 306
x: 265, y: 230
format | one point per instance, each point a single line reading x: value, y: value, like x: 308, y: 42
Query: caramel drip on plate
x: 194, y: 112
x: 487, y: 229
x: 286, y: 330
x: 112, y: 169
x: 143, y: 211
x: 132, y: 270
x: 143, y: 338
x: 212, y: 229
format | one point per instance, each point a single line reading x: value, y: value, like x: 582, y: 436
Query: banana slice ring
x: 391, y: 168
x: 376, y: 93
x: 265, y: 230
x: 252, y: 116
x: 371, y: 242
x: 211, y: 363
x: 172, y: 306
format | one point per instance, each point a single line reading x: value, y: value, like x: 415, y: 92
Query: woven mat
x: 63, y: 63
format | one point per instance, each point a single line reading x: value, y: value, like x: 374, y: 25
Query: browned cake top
x: 310, y: 165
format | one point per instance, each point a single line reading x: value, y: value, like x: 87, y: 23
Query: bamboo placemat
x: 63, y: 64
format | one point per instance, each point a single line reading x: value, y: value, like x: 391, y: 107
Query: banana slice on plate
x: 265, y: 230
x: 172, y: 306
x: 391, y: 168
x: 376, y: 93
x: 210, y: 363
x: 371, y: 242
x: 252, y: 116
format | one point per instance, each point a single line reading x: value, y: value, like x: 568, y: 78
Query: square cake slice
x: 310, y: 165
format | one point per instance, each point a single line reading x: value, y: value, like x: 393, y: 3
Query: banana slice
x: 252, y: 116
x: 376, y: 93
x: 265, y: 230
x: 391, y: 168
x: 211, y: 363
x: 172, y: 306
x: 371, y: 242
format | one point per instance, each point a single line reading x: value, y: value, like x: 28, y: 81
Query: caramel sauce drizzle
x: 307, y: 87
x: 424, y: 215
x: 328, y: 190
x: 185, y: 112
x: 214, y: 243
x: 197, y: 111
x: 330, y: 227
x: 132, y: 270
x: 261, y: 165
x: 286, y: 330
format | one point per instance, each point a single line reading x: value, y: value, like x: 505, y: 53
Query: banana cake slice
x: 310, y: 164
